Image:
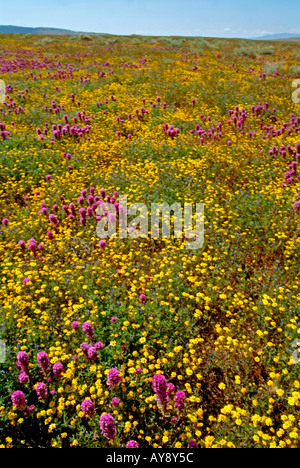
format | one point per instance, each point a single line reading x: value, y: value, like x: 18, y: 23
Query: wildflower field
x: 141, y: 342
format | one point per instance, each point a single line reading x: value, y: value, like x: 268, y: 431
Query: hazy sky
x: 219, y: 18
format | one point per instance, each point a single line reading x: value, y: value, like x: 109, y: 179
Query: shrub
x: 44, y: 41
x: 85, y: 37
x: 271, y: 68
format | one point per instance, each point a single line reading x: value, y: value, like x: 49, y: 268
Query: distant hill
x: 276, y: 37
x: 45, y: 31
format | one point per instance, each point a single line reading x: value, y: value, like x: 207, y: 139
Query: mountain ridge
x: 10, y: 29
x: 270, y: 37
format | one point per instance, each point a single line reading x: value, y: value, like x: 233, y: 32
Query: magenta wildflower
x: 160, y: 386
x: 74, y: 325
x: 113, y: 377
x: 171, y: 387
x: 99, y: 345
x: 114, y: 320
x: 58, y: 369
x: 42, y: 391
x: 23, y: 360
x: 142, y: 297
x: 53, y: 219
x: 132, y: 444
x: 108, y: 426
x: 88, y: 329
x: 32, y: 245
x: 92, y: 353
x: 179, y: 401
x: 115, y: 402
x: 22, y: 244
x: 18, y: 399
x: 296, y: 206
x: 87, y: 407
x: 193, y: 444
x: 43, y: 361
x: 84, y: 348
x: 23, y: 377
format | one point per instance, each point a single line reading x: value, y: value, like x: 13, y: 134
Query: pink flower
x: 84, y: 348
x: 114, y: 320
x: 102, y: 244
x: 88, y: 329
x: 74, y: 325
x: 23, y: 360
x: 296, y: 206
x: 18, y: 399
x: 92, y: 353
x: 43, y: 361
x: 113, y: 377
x: 58, y: 369
x: 160, y: 386
x: 53, y: 219
x: 87, y: 407
x: 42, y: 391
x: 5, y: 222
x: 132, y: 444
x: 99, y: 345
x: 115, y: 402
x: 179, y: 401
x: 107, y: 426
x: 32, y: 245
x: 23, y: 377
x: 142, y: 298
x: 192, y: 444
x: 171, y: 387
x: 22, y: 244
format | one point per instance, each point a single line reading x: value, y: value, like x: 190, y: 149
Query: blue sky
x: 216, y: 18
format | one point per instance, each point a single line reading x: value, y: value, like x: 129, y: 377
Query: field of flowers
x: 142, y: 342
